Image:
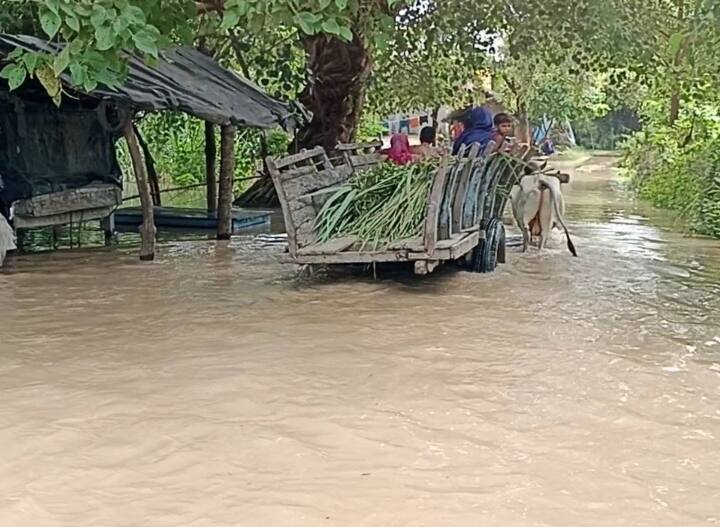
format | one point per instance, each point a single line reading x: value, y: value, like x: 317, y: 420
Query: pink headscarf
x: 399, y: 152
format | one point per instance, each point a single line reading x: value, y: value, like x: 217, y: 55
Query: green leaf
x: 146, y: 43
x: 57, y: 98
x: 30, y: 60
x: 324, y: 4
x: 80, y: 9
x: 307, y: 22
x: 135, y: 15
x: 53, y: 5
x: 78, y: 73
x: 15, y: 75
x: 341, y: 4
x: 676, y: 40
x: 99, y: 16
x: 89, y: 85
x: 48, y: 79
x: 346, y: 33
x: 331, y: 27
x: 16, y: 54
x: 73, y: 23
x: 50, y: 23
x: 107, y: 78
x: 120, y: 24
x: 68, y: 8
x: 105, y: 38
x: 62, y: 61
x: 230, y: 19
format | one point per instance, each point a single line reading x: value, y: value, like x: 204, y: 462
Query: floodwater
x: 212, y: 388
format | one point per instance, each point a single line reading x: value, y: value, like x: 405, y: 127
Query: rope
x: 194, y: 185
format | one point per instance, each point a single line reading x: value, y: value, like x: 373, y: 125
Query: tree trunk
x: 147, y: 229
x: 211, y: 167
x: 523, y: 128
x: 335, y: 94
x: 335, y: 91
x: 227, y: 172
x: 674, y: 107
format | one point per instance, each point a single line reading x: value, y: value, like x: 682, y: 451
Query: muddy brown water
x: 212, y: 388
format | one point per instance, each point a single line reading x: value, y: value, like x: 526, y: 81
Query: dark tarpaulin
x: 46, y: 149
x: 184, y: 80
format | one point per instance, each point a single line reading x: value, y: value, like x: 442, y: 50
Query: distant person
x: 547, y: 147
x: 477, y: 128
x: 399, y: 152
x: 428, y: 139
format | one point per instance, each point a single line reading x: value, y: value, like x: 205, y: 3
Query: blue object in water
x: 192, y: 219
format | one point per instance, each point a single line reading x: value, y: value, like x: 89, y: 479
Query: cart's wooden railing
x: 303, y: 180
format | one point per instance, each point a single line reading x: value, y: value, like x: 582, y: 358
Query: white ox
x: 7, y: 238
x: 538, y: 207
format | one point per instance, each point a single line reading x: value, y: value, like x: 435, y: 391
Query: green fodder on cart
x: 378, y: 205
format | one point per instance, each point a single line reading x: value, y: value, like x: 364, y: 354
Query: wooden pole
x: 211, y: 167
x: 227, y: 171
x: 147, y: 229
x: 153, y: 178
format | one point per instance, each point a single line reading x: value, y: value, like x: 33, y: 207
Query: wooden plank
x: 66, y: 218
x: 365, y: 160
x: 293, y: 173
x: 432, y: 212
x: 284, y: 205
x: 354, y: 257
x: 410, y: 244
x: 358, y: 146
x: 309, y: 184
x: 88, y: 197
x: 457, y: 246
x: 466, y: 245
x: 303, y: 156
x: 450, y: 242
x: 333, y: 246
x: 462, y: 186
x: 424, y: 267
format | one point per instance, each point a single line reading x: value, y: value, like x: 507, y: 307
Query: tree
x: 337, y: 37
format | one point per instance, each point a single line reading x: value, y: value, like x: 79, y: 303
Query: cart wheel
x: 491, y: 250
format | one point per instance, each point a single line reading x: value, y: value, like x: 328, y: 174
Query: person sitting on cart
x: 399, y: 152
x: 478, y: 128
x: 427, y: 148
x: 502, y: 140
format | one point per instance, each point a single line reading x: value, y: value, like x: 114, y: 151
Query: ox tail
x: 555, y: 200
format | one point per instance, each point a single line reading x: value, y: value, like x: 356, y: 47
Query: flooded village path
x: 212, y: 388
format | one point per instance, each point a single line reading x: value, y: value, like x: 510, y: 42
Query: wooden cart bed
x: 467, y: 195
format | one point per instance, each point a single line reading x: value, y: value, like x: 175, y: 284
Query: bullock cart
x: 466, y: 198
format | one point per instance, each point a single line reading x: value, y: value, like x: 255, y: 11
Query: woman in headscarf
x: 400, y: 152
x: 478, y: 129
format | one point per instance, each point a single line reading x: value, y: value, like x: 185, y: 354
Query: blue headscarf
x: 478, y: 129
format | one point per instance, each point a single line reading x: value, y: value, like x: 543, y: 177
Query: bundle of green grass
x: 378, y: 205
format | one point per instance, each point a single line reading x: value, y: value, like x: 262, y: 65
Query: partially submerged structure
x: 58, y: 164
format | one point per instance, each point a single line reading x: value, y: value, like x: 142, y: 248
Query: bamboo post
x: 153, y: 178
x: 147, y: 229
x: 227, y: 171
x: 211, y: 167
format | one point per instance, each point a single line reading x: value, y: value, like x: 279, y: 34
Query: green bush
x: 679, y: 168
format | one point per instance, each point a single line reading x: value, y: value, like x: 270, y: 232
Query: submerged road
x: 212, y: 388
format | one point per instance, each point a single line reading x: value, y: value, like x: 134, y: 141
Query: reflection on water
x: 213, y: 388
